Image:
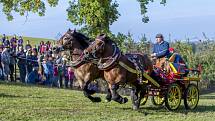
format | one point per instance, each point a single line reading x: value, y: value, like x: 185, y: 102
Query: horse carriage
x: 103, y: 59
x: 173, y: 87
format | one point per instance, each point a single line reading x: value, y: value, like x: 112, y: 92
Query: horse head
x: 97, y: 48
x: 70, y: 38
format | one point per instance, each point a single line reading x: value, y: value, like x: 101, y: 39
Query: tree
x: 95, y: 16
x: 143, y: 4
x: 23, y: 7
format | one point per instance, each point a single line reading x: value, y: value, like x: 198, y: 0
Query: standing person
x: 28, y: 45
x: 1, y: 68
x: 6, y: 42
x: 3, y: 38
x: 160, y: 50
x: 20, y: 41
x: 21, y: 63
x: 13, y: 42
x: 29, y: 67
x: 12, y: 63
x: 59, y: 62
x: 65, y: 72
x: 71, y: 76
x: 5, y: 59
x: 48, y: 69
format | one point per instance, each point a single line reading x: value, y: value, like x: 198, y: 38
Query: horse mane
x: 82, y: 39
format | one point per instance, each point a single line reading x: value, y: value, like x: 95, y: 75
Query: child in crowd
x: 48, y: 70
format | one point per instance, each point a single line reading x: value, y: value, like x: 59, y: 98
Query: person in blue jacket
x: 160, y: 50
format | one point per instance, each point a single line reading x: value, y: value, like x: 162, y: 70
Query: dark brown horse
x: 85, y: 71
x: 120, y: 69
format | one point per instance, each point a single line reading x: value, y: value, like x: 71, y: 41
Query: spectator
x: 65, y: 72
x: 1, y: 68
x: 71, y: 76
x: 5, y: 59
x: 6, y: 42
x: 48, y: 69
x: 29, y: 67
x: 21, y: 63
x: 20, y: 41
x: 3, y: 38
x: 59, y: 62
x: 13, y: 42
x: 28, y: 45
x: 12, y: 63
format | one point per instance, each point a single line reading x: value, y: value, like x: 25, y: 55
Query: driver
x: 160, y: 51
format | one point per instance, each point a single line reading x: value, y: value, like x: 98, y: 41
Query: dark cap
x: 159, y: 36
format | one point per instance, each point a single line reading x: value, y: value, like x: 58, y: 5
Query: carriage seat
x: 177, y: 65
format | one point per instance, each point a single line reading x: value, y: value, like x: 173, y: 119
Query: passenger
x: 178, y: 62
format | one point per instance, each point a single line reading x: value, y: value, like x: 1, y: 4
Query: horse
x: 120, y: 69
x: 84, y: 70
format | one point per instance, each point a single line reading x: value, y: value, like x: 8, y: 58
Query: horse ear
x: 69, y: 30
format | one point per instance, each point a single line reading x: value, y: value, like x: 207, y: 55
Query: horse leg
x: 135, y: 99
x: 115, y: 96
x: 135, y: 91
x: 108, y: 96
x: 88, y: 93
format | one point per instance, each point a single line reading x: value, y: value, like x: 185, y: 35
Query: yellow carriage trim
x: 173, y: 68
x: 137, y: 72
x: 192, y: 79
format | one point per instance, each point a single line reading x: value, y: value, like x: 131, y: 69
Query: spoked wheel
x: 191, y: 97
x: 145, y: 98
x: 157, y: 100
x: 173, y: 97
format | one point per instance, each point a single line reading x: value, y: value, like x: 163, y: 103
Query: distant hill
x: 33, y: 40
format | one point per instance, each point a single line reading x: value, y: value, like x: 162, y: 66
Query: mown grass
x: 22, y: 102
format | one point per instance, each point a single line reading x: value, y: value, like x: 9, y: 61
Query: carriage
x: 173, y: 87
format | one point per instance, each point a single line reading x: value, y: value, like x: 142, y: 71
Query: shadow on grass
x: 9, y: 96
x: 207, y: 97
x: 154, y: 110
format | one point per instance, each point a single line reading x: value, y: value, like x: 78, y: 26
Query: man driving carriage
x: 160, y: 51
x: 166, y: 58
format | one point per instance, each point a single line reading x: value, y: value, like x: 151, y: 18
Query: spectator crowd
x: 37, y: 64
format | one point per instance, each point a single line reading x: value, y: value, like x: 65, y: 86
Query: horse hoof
x: 125, y: 100
x: 108, y: 99
x: 97, y: 99
x: 135, y: 107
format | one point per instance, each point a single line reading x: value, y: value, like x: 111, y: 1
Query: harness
x: 114, y: 59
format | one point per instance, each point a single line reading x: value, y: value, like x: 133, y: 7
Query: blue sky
x: 180, y: 18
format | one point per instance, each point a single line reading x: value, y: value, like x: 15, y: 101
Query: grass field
x: 21, y: 102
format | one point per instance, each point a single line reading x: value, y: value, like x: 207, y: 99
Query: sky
x: 178, y: 19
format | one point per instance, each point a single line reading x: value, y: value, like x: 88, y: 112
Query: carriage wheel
x: 157, y: 100
x: 173, y: 97
x: 145, y: 98
x: 191, y: 97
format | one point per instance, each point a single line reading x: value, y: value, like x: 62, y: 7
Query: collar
x: 161, y: 42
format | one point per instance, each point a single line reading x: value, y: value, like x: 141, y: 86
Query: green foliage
x: 143, y: 7
x: 24, y: 6
x: 95, y: 16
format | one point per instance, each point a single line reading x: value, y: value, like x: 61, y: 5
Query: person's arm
x: 165, y: 50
